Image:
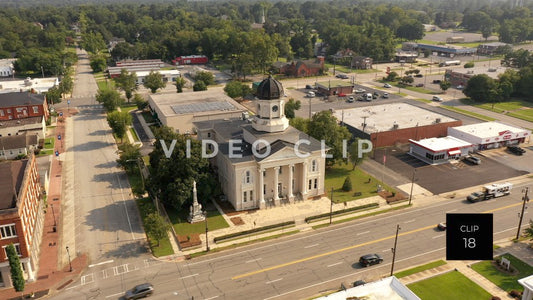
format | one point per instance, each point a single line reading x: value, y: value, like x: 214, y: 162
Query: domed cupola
x: 269, y: 89
x: 270, y: 115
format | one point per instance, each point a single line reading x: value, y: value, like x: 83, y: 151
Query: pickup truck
x: 476, y: 197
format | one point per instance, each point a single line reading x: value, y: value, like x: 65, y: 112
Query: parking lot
x: 447, y: 177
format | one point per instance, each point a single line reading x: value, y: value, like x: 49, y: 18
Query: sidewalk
x: 52, y: 273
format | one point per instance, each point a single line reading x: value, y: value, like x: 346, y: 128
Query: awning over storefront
x: 454, y: 152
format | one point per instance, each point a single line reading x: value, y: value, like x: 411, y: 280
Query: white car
x: 360, y: 91
x: 351, y: 99
x: 460, y: 87
x: 436, y: 98
x: 386, y: 85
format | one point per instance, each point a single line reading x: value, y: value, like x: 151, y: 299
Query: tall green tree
x: 445, y: 85
x: 180, y: 84
x: 154, y: 81
x: 53, y: 95
x: 109, y: 98
x: 119, y: 122
x: 481, y: 88
x: 17, y: 276
x: 291, y: 106
x: 207, y: 77
x: 237, y: 89
x: 67, y: 83
x: 98, y: 62
x: 127, y: 82
x: 324, y: 126
x: 156, y: 227
x: 354, y: 155
x: 128, y: 157
x: 199, y: 86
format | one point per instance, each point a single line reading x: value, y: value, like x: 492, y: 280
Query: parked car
x: 442, y: 226
x: 370, y: 259
x: 351, y: 99
x: 386, y: 85
x: 436, y: 98
x: 436, y: 81
x: 375, y: 95
x: 341, y: 94
x: 516, y: 150
x: 310, y: 94
x: 308, y: 86
x: 419, y: 85
x: 385, y: 95
x: 342, y: 76
x: 360, y: 91
x: 140, y: 291
x: 358, y: 283
x: 419, y: 75
x: 472, y: 159
x: 460, y: 87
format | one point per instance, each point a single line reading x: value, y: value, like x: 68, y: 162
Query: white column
x: 304, y: 179
x: 29, y: 270
x: 261, y: 188
x: 291, y: 176
x: 276, y: 194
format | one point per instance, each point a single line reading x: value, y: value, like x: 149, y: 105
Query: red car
x: 341, y: 94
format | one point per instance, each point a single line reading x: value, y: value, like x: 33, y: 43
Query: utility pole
x: 412, y: 184
x: 331, y: 206
x: 525, y: 199
x: 394, y: 249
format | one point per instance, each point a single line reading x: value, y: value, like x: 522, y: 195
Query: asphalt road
x: 302, y: 265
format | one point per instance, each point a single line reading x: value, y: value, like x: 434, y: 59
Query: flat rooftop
x: 441, y: 144
x: 41, y: 85
x: 388, y: 117
x: 483, y: 68
x: 388, y: 288
x: 196, y: 103
x: 489, y: 129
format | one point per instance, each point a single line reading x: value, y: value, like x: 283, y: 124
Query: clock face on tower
x: 275, y: 108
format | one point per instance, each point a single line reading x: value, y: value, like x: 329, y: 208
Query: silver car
x: 140, y: 291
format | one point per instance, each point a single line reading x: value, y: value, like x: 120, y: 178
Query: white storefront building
x: 439, y: 150
x: 489, y: 135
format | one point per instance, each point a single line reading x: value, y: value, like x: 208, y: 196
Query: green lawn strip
x: 523, y: 115
x: 46, y: 152
x: 49, y: 143
x: 419, y: 269
x: 257, y: 233
x: 147, y: 117
x: 341, y: 212
x: 423, y: 100
x: 468, y: 113
x: 218, y: 249
x: 451, y: 285
x: 505, y: 281
x: 183, y: 227
x: 134, y: 134
x: 336, y: 175
x: 361, y: 216
x: 127, y: 107
x: 146, y: 206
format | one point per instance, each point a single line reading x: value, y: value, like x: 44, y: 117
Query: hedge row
x: 245, y: 232
x: 308, y: 219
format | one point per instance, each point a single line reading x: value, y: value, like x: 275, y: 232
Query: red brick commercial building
x: 22, y: 105
x: 301, y: 68
x: 21, y: 216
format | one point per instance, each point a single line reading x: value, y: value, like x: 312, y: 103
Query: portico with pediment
x: 264, y: 162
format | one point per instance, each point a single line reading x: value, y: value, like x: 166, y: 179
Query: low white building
x: 527, y: 283
x: 15, y: 145
x: 489, y: 135
x: 168, y: 75
x: 38, y: 85
x: 6, y: 67
x: 436, y: 151
x: 389, y: 288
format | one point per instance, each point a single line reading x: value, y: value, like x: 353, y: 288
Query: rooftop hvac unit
x: 437, y: 120
x: 395, y: 126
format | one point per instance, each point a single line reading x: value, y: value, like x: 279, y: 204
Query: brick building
x: 301, y: 68
x: 23, y: 105
x: 21, y: 216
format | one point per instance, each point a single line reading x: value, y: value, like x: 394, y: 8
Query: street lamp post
x: 206, y: 231
x: 525, y: 199
x: 412, y: 184
x: 54, y: 216
x: 69, y: 263
x: 331, y: 207
x: 394, y: 249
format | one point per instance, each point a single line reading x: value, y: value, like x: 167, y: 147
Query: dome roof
x: 270, y: 89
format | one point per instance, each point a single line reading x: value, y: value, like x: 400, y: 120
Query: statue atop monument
x: 196, y: 214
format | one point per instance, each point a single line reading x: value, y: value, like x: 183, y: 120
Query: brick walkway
x: 51, y: 275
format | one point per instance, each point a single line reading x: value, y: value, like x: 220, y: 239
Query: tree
x: 17, y: 276
x: 354, y: 155
x: 156, y: 227
x: 171, y: 178
x: 67, y: 84
x: 407, y: 80
x: 391, y: 77
x: 154, y: 81
x: 207, y: 77
x: 479, y: 88
x: 199, y: 86
x: 529, y: 230
x: 347, y: 185
x: 53, y: 95
x: 139, y: 101
x: 292, y: 106
x: 323, y: 126
x: 98, y: 62
x: 180, y: 84
x: 128, y: 157
x: 109, y: 98
x: 445, y: 85
x: 300, y: 124
x: 237, y: 89
x: 119, y: 122
x: 127, y: 82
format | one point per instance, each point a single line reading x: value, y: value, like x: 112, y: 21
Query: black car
x: 358, y: 283
x: 370, y: 259
x: 140, y: 291
x: 516, y: 150
x: 308, y: 86
x: 419, y: 75
x: 436, y: 81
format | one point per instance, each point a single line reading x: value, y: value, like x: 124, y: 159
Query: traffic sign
x: 57, y: 153
x: 61, y: 114
x: 469, y: 236
x: 68, y: 101
x: 59, y: 136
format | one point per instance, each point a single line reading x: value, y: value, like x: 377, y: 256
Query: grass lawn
x: 134, y: 134
x: 146, y: 206
x: 46, y: 152
x: 468, y: 113
x: 183, y: 227
x: 439, y: 287
x: 127, y: 107
x: 336, y: 175
x: 516, y: 108
x: 505, y: 281
x: 423, y: 100
x: 49, y: 143
x: 419, y: 269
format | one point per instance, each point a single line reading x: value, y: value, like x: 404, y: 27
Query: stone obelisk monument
x: 196, y: 214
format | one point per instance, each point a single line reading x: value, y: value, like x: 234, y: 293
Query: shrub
x: 347, y: 186
x: 469, y: 65
x: 338, y: 212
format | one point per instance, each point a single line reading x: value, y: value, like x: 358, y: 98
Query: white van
x: 368, y: 97
x: 310, y: 94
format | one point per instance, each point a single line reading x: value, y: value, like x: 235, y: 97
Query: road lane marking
x: 336, y: 264
x: 272, y: 281
x: 451, y: 210
x: 311, y: 246
x: 328, y: 253
x: 438, y: 236
x: 125, y: 207
x: 211, y: 298
x: 503, y: 207
x: 364, y: 232
x: 410, y: 221
x: 188, y: 276
x: 114, y: 295
x: 253, y: 260
x: 102, y: 263
x: 344, y: 276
